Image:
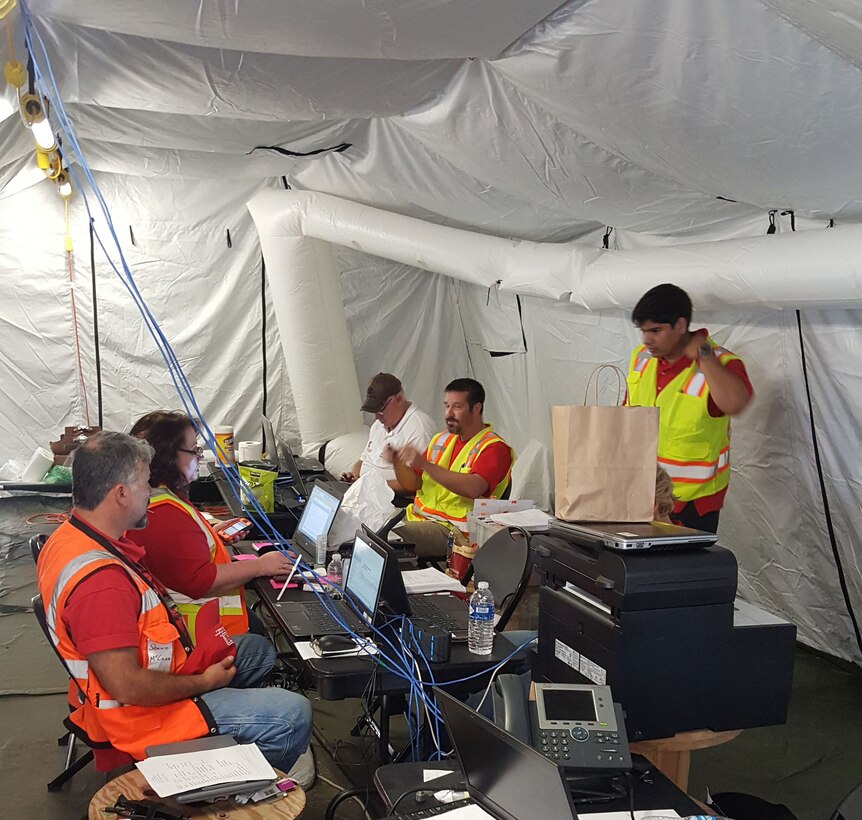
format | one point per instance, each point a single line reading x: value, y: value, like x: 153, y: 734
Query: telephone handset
x: 578, y: 726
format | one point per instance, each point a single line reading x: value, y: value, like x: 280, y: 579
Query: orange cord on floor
x: 46, y: 518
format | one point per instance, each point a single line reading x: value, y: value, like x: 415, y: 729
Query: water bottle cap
x: 336, y: 555
x: 482, y: 585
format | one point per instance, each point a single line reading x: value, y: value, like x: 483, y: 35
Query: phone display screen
x: 569, y: 704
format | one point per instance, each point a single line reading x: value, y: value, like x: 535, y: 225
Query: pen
x: 289, y: 577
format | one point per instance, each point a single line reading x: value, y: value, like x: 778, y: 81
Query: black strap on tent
x: 96, y: 322
x: 229, y: 243
x: 263, y: 335
x: 132, y: 236
x: 771, y: 229
x: 606, y: 240
x: 335, y: 149
x: 792, y: 215
x: 829, y: 527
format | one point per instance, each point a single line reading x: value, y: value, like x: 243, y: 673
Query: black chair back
x: 504, y: 561
x: 36, y: 544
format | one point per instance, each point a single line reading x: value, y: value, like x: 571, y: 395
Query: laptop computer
x: 316, y: 519
x: 445, y: 611
x: 505, y: 778
x: 653, y: 535
x: 280, y: 453
x: 363, y: 585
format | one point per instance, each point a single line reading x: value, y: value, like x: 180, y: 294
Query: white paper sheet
x: 418, y: 581
x: 433, y: 774
x: 172, y: 774
x: 536, y: 520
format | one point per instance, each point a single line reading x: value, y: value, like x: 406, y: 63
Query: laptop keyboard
x: 321, y: 621
x: 433, y: 811
x: 422, y: 607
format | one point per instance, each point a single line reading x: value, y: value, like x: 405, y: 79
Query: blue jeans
x: 278, y: 721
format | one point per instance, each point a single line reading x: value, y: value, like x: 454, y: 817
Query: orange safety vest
x: 233, y: 613
x: 693, y: 446
x: 74, y: 552
x: 433, y: 502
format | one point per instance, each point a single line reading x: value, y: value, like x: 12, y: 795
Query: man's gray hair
x: 104, y: 461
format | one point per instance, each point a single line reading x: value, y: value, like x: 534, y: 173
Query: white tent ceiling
x: 671, y: 121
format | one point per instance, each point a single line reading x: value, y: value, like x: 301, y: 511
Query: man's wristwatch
x: 705, y: 352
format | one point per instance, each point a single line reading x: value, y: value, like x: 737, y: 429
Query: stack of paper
x: 532, y: 520
x: 420, y: 581
x: 174, y: 774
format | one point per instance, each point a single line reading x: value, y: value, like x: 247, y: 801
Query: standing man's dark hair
x: 475, y: 392
x: 663, y: 304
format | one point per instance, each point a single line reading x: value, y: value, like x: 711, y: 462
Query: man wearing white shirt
x: 397, y: 422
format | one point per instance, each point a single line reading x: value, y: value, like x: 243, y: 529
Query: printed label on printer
x: 580, y: 663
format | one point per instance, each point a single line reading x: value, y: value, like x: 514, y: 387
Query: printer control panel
x: 578, y: 726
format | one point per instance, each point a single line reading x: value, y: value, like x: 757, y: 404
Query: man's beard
x: 140, y: 523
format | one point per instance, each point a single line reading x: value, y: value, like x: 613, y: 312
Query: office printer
x: 663, y: 630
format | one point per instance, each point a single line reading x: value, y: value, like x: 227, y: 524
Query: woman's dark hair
x: 165, y: 432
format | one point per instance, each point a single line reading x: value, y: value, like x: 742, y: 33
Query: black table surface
x: 652, y: 790
x: 339, y: 678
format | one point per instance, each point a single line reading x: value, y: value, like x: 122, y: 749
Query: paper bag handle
x: 597, y: 371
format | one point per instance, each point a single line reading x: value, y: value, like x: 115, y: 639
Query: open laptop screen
x: 365, y: 574
x: 317, y: 516
x: 509, y: 779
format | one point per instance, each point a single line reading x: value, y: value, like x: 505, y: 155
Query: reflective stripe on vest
x: 692, y: 472
x: 232, y: 609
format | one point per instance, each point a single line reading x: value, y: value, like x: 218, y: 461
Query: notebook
x: 363, y: 585
x: 653, y: 535
x: 507, y: 779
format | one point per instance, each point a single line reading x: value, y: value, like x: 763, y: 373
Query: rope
x: 70, y: 267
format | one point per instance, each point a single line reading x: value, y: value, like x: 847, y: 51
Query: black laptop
x: 363, y: 586
x: 505, y: 778
x: 445, y: 611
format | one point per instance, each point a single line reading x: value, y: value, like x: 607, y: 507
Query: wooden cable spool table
x: 133, y: 786
x: 672, y: 755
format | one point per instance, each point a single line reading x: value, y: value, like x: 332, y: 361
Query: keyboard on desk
x: 314, y: 619
x: 447, y: 612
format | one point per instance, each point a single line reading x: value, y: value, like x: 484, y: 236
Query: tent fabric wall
x: 672, y: 123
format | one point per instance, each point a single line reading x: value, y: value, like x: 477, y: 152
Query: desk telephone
x: 578, y: 726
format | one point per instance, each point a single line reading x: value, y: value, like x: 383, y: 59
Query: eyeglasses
x: 385, y: 405
x: 198, y: 451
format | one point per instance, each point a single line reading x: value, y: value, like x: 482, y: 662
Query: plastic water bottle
x: 335, y: 570
x: 320, y: 550
x: 480, y: 629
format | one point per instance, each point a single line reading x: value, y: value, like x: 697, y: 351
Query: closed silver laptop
x: 628, y: 536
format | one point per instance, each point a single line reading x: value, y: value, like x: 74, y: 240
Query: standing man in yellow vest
x: 697, y: 385
x: 467, y: 461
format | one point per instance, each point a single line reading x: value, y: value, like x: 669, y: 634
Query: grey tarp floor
x: 808, y: 764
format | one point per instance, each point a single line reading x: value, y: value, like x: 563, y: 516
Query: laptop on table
x: 363, y: 584
x: 653, y: 535
x: 506, y: 779
x: 445, y: 611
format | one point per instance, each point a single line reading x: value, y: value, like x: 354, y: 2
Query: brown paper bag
x: 605, y: 462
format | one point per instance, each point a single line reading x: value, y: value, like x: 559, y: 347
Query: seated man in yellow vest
x: 467, y: 461
x: 138, y: 679
x: 697, y: 385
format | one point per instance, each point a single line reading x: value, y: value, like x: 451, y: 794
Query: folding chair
x: 504, y: 561
x: 111, y: 758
